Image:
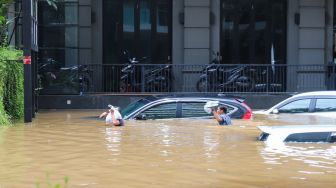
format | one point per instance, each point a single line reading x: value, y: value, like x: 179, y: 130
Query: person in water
x: 221, y: 116
x: 113, y: 117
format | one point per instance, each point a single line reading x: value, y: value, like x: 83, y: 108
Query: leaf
x: 66, y: 179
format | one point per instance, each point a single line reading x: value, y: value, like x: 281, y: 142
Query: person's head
x: 221, y: 110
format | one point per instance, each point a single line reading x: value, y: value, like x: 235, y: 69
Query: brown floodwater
x: 165, y: 153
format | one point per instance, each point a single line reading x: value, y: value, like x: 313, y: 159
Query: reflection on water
x: 166, y: 153
x: 315, y: 159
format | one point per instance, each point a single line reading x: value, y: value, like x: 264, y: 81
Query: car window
x: 308, y: 137
x: 332, y: 137
x: 196, y: 109
x: 299, y: 106
x: 263, y: 136
x: 193, y: 109
x: 161, y: 111
x: 134, y: 106
x: 325, y: 105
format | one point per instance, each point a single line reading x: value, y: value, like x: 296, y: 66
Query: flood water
x: 166, y: 153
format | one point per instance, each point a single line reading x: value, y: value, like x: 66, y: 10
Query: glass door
x: 142, y: 27
x: 253, y: 31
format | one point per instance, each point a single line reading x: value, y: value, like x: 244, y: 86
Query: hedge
x: 11, y: 85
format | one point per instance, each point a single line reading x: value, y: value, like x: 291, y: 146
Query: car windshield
x: 133, y: 106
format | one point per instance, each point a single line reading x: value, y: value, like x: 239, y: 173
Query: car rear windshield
x: 134, y: 106
x: 308, y: 137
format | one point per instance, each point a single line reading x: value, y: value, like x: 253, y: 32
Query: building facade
x: 187, y: 32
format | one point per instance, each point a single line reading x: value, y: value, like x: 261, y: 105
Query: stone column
x: 312, y: 44
x: 196, y: 38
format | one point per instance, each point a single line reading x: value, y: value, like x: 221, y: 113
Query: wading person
x: 113, y: 117
x: 221, y: 116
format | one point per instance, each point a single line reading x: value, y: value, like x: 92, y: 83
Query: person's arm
x: 216, y: 116
x: 104, y: 114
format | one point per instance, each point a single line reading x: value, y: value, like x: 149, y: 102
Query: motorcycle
x: 52, y: 76
x: 269, y: 80
x: 219, y: 78
x: 135, y: 78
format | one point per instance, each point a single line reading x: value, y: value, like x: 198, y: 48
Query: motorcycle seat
x: 231, y: 69
x: 68, y: 68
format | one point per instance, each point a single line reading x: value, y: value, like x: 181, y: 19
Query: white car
x: 321, y: 103
x: 298, y: 133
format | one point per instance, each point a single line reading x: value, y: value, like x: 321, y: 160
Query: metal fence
x: 166, y: 78
x: 242, y: 78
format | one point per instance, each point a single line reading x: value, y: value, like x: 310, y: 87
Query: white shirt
x: 108, y: 118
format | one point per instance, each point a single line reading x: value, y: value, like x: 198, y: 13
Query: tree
x: 4, y: 21
x: 4, y: 4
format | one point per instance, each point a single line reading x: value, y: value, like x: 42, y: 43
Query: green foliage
x: 50, y: 185
x: 3, y: 19
x: 11, y: 85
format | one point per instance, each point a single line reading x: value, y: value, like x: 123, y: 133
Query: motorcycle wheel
x: 245, y: 84
x: 161, y: 86
x: 202, y: 85
x: 86, y: 85
x: 123, y: 86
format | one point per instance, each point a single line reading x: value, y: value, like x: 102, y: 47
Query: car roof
x: 316, y: 93
x: 290, y: 129
x: 198, y: 98
x: 303, y: 96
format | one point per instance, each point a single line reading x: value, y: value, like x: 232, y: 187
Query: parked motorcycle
x: 135, y: 78
x: 219, y: 78
x: 270, y: 79
x: 52, y: 76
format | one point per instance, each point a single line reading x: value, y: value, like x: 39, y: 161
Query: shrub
x: 11, y: 85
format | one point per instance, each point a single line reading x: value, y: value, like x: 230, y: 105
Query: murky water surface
x: 169, y: 153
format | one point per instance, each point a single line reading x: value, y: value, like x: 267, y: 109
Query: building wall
x: 177, y: 40
x: 308, y: 42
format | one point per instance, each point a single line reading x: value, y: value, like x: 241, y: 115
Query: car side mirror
x: 141, y: 117
x: 275, y: 111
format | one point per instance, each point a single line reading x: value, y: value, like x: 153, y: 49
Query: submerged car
x: 319, y: 103
x: 183, y: 107
x: 298, y: 133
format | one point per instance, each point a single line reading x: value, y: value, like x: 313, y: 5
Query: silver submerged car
x: 183, y: 107
x: 321, y: 103
x: 298, y: 133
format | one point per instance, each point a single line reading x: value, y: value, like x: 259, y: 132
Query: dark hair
x: 223, y: 108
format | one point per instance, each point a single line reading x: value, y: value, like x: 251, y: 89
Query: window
x: 196, y: 109
x: 18, y: 31
x: 299, y: 106
x: 134, y: 106
x: 325, y: 105
x: 332, y: 137
x: 263, y: 136
x: 193, y: 109
x: 161, y: 111
x: 253, y: 30
x: 308, y: 137
x: 58, y: 47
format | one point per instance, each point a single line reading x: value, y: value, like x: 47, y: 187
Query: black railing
x: 242, y: 78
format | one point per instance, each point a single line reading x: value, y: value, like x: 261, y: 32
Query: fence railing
x: 164, y: 78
